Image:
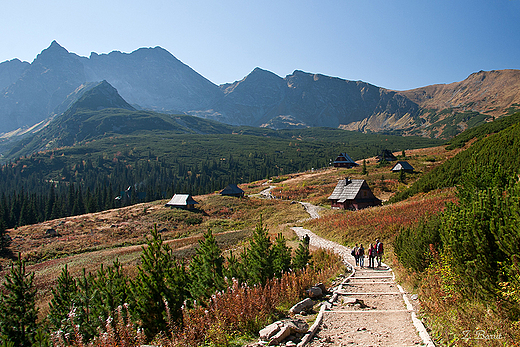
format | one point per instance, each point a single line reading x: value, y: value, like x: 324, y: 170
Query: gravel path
x: 370, y: 308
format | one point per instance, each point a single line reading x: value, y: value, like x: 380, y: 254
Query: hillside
x: 497, y: 153
x: 489, y: 92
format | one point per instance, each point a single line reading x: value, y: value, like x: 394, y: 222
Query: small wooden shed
x: 404, y: 166
x: 232, y: 190
x: 353, y: 194
x: 344, y: 160
x: 182, y: 201
x: 386, y: 155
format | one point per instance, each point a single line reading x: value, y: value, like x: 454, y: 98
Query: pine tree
x: 365, y: 171
x: 84, y: 313
x: 18, y: 312
x: 402, y: 176
x: 5, y: 240
x: 160, y: 280
x: 281, y: 256
x: 302, y: 255
x: 62, y: 302
x: 258, y: 263
x: 111, y: 287
x: 49, y: 204
x: 206, y: 271
x: 233, y: 269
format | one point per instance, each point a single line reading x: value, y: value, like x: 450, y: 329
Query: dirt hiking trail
x: 369, y: 308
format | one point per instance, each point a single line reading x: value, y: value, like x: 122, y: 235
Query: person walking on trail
x: 361, y: 255
x: 371, y: 255
x: 354, y: 254
x: 379, y: 252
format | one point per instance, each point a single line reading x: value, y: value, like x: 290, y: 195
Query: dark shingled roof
x: 232, y: 189
x: 344, y: 158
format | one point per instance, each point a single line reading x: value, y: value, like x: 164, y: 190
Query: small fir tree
x: 258, y: 262
x: 402, y: 176
x: 160, y: 280
x: 5, y: 240
x: 84, y: 314
x: 281, y: 256
x: 232, y: 270
x: 302, y: 255
x: 62, y: 302
x: 365, y: 171
x: 111, y: 291
x: 18, y: 312
x: 206, y: 271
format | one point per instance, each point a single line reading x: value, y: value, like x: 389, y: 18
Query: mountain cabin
x: 184, y: 201
x: 232, y: 190
x: 353, y: 194
x: 343, y: 160
x: 386, y: 155
x: 404, y: 166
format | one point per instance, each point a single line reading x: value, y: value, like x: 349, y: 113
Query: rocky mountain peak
x: 99, y: 97
x: 52, y: 52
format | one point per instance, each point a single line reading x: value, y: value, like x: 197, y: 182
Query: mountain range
x: 153, y: 79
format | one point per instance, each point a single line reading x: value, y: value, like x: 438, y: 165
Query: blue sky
x: 393, y: 44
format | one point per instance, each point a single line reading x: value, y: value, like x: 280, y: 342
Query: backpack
x: 380, y: 248
x: 353, y: 253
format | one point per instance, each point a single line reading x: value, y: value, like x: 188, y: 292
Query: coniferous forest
x: 121, y: 170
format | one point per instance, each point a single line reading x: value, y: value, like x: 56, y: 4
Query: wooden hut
x: 343, y: 160
x: 184, y: 201
x: 232, y: 190
x: 353, y: 194
x: 404, y: 166
x: 386, y: 155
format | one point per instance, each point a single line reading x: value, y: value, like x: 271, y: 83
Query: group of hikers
x: 374, y: 253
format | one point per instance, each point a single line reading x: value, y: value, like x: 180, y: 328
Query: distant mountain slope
x: 10, y: 72
x: 448, y: 109
x: 102, y: 112
x: 311, y: 100
x: 153, y: 79
x: 490, y: 92
x: 54, y: 74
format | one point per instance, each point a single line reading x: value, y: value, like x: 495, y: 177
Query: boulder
x: 284, y: 332
x: 298, y: 326
x: 51, y: 233
x: 301, y: 306
x: 314, y: 292
x: 321, y: 286
x: 279, y: 331
x: 269, y: 331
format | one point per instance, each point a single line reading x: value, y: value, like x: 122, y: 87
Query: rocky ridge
x: 153, y: 79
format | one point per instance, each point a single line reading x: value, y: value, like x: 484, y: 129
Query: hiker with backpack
x: 371, y: 255
x: 379, y: 252
x: 354, y: 254
x: 361, y: 255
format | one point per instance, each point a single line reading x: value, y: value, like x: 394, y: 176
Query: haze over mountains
x: 153, y: 79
